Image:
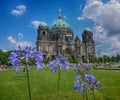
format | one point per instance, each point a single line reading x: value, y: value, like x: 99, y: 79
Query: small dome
x: 43, y: 24
x: 87, y: 29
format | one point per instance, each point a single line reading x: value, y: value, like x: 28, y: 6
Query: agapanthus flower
x: 80, y: 86
x: 98, y: 84
x: 77, y: 68
x: 77, y: 86
x: 27, y: 53
x: 59, y: 62
x: 92, y: 81
x: 86, y: 66
x: 84, y: 85
x: 38, y: 57
x: 15, y: 60
x: 63, y: 63
x: 53, y: 65
x: 81, y: 68
x: 90, y: 78
x: 77, y: 77
x: 24, y: 57
x: 86, y: 82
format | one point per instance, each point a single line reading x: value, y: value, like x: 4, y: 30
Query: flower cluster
x: 89, y: 82
x: 81, y: 68
x: 85, y: 81
x: 23, y: 58
x: 38, y: 57
x: 59, y: 62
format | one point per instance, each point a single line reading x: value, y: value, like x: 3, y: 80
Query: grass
x: 109, y: 67
x: 44, y: 85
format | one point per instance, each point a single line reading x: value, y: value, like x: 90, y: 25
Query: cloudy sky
x: 19, y: 20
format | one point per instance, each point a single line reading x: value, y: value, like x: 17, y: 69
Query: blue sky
x: 19, y: 20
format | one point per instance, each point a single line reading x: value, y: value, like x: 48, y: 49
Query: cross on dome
x: 60, y: 14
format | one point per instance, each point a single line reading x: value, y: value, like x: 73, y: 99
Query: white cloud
x: 23, y: 44
x: 11, y: 40
x: 80, y: 18
x: 35, y: 23
x: 15, y: 43
x: 20, y: 36
x: 109, y: 44
x: 106, y: 18
x: 19, y: 10
x: 115, y: 42
x: 109, y: 53
x: 104, y: 14
x: 4, y: 50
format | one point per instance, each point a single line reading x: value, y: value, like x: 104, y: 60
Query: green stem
x: 28, y: 84
x: 83, y: 95
x: 86, y: 95
x: 94, y: 95
x: 58, y: 83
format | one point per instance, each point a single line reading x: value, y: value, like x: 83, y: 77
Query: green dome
x: 87, y: 29
x: 60, y: 23
x: 43, y: 24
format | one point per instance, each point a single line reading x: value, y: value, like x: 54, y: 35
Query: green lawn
x: 44, y: 85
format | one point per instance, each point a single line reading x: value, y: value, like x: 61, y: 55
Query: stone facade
x: 59, y: 40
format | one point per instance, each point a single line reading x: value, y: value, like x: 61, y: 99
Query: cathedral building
x: 59, y: 40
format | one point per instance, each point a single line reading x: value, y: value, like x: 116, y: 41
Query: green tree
x: 104, y: 59
x: 4, y: 57
x: 92, y: 60
x: 113, y: 59
x: 117, y: 58
x: 100, y: 60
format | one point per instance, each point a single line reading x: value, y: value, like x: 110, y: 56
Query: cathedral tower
x: 42, y: 31
x: 88, y: 43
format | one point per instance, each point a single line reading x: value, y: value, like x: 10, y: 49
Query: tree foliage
x: 104, y: 59
x: 4, y: 57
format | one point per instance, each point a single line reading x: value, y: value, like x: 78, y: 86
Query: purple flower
x: 98, y: 84
x: 81, y: 68
x: 60, y: 62
x: 85, y: 82
x: 63, y: 63
x: 77, y: 77
x: 80, y: 86
x: 90, y: 78
x: 84, y: 85
x: 38, y: 57
x: 53, y: 65
x: 76, y: 85
x: 86, y: 66
x: 26, y: 52
x: 17, y: 58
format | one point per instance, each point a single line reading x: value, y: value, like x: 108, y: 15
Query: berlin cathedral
x: 59, y: 40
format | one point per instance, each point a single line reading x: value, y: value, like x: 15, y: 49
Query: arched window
x: 89, y: 37
x: 43, y: 33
